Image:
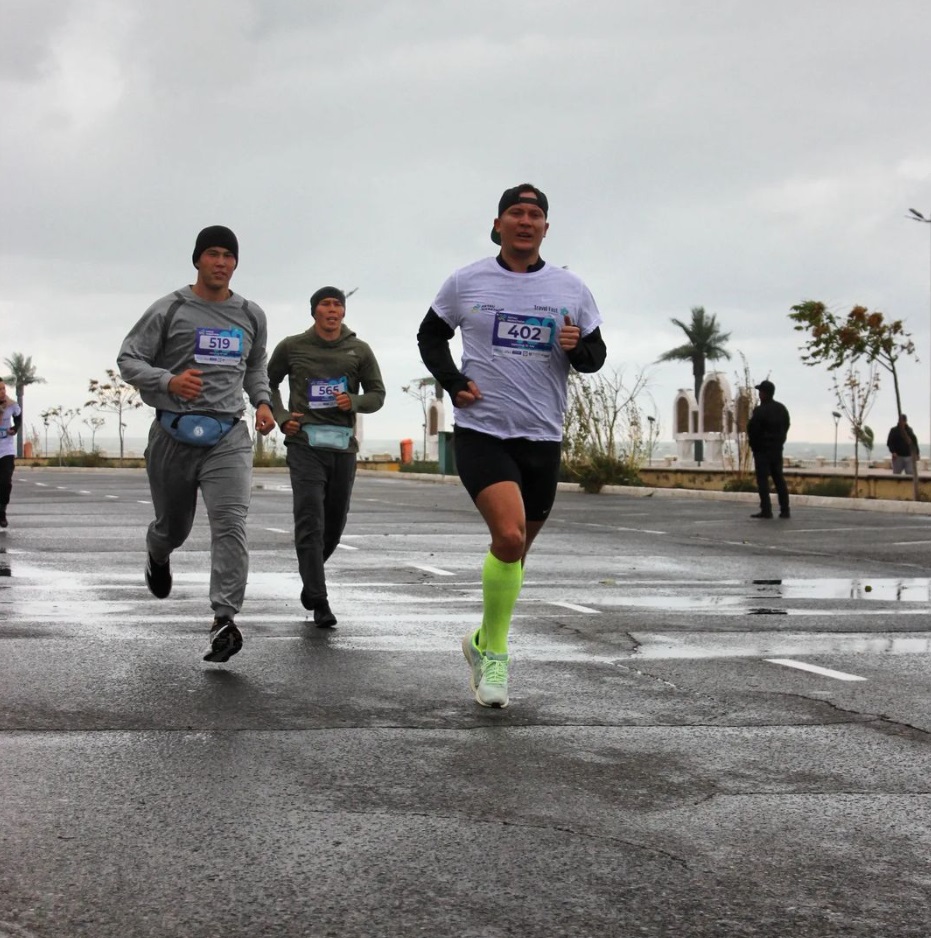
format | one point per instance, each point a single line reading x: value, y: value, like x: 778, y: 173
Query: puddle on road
x: 905, y: 589
x: 747, y: 645
x: 760, y: 597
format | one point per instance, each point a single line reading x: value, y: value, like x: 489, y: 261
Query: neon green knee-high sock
x: 501, y: 583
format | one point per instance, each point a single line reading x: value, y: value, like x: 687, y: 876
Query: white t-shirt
x: 8, y: 442
x: 509, y: 323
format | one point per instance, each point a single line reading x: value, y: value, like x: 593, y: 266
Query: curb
x: 888, y: 506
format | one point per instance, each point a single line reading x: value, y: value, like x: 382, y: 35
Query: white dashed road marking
x: 434, y: 570
x: 814, y: 669
x: 575, y: 608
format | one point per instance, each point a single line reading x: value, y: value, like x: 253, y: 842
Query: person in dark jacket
x: 766, y: 432
x: 903, y: 445
x: 332, y: 375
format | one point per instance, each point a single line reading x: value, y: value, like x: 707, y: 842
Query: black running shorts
x: 483, y: 460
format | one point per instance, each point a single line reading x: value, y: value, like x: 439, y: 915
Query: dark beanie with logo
x: 215, y: 236
x: 326, y: 293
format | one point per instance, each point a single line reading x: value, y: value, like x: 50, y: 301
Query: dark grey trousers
x: 768, y: 463
x: 321, y: 483
x: 7, y: 464
x: 223, y: 474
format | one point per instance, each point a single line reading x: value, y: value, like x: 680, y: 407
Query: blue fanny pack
x: 195, y: 429
x: 327, y: 435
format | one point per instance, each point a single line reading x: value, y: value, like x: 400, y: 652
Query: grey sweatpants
x: 223, y: 473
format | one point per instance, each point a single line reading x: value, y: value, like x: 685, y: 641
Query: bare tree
x: 62, y: 418
x: 606, y: 433
x: 741, y: 458
x: 855, y: 398
x: 95, y: 423
x: 116, y: 397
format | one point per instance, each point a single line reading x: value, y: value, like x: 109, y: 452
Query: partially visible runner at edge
x: 192, y: 355
x: 11, y: 420
x: 523, y: 324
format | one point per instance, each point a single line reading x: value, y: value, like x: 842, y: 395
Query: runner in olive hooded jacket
x: 326, y: 366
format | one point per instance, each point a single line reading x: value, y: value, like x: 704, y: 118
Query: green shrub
x: 597, y: 471
x: 269, y: 460
x: 431, y: 467
x: 92, y: 460
x: 740, y: 484
x: 831, y: 488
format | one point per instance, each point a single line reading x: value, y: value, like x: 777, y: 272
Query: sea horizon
x: 134, y: 447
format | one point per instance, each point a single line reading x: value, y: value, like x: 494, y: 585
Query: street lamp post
x: 917, y: 216
x: 836, y: 417
x: 652, y: 422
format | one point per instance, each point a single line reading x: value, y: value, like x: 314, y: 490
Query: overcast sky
x: 742, y: 156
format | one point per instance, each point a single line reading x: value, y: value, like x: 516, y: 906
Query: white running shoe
x: 492, y: 690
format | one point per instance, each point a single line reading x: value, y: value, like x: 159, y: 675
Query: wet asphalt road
x: 670, y: 764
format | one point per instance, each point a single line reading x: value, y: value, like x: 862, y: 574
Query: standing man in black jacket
x: 766, y: 433
x: 903, y: 445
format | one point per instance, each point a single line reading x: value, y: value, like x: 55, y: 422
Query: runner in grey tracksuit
x: 191, y: 355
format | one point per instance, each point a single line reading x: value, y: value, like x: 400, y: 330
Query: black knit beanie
x: 216, y: 236
x: 326, y: 293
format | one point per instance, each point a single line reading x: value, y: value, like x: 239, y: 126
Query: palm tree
x: 705, y: 344
x: 22, y: 374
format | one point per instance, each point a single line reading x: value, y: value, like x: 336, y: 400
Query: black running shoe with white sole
x: 158, y: 577
x: 225, y: 640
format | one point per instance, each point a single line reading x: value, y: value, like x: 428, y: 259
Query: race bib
x: 518, y: 336
x: 218, y: 346
x: 321, y: 391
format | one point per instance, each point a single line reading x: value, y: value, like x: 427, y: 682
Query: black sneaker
x: 762, y: 514
x: 785, y: 514
x: 323, y: 616
x: 225, y: 640
x: 3, y: 522
x: 158, y: 577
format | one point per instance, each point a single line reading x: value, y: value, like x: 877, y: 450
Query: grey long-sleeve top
x: 226, y: 341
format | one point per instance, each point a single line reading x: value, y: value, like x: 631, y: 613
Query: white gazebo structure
x: 715, y: 418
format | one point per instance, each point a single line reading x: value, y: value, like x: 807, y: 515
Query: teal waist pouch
x: 327, y: 435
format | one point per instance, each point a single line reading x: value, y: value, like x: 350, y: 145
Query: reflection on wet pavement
x: 761, y: 597
x: 912, y: 589
x: 746, y: 644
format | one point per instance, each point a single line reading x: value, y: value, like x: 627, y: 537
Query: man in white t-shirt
x: 11, y: 419
x: 523, y: 324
